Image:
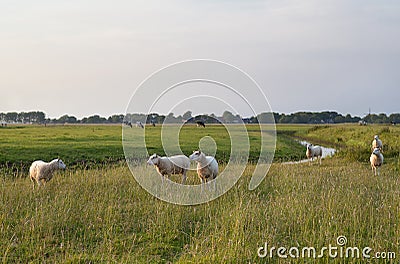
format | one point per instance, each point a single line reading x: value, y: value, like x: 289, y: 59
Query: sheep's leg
x: 33, y: 182
x: 378, y: 170
x: 184, y: 177
x: 162, y: 179
x: 209, y: 185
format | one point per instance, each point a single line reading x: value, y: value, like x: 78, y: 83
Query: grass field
x: 93, y: 145
x: 101, y: 215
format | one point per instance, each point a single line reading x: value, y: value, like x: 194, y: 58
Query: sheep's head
x: 153, y: 160
x: 309, y: 146
x: 376, y: 137
x: 61, y: 164
x: 196, y: 155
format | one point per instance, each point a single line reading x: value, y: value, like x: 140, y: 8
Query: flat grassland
x: 96, y: 212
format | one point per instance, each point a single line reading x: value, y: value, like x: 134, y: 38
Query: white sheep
x: 207, y: 166
x: 376, y: 160
x: 139, y: 124
x: 165, y: 166
x: 376, y: 143
x: 41, y: 170
x: 314, y: 151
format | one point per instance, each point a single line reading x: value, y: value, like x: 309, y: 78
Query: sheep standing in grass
x: 200, y: 124
x: 314, y: 151
x: 376, y: 160
x: 207, y: 166
x: 376, y: 143
x: 139, y: 124
x: 41, y: 170
x: 178, y: 164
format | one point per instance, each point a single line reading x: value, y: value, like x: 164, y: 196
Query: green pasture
x: 95, y: 211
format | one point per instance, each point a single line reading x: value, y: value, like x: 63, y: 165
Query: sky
x: 89, y: 57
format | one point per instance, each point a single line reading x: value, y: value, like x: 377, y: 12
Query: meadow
x: 95, y: 212
x: 88, y: 146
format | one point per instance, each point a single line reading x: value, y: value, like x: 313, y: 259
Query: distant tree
x: 383, y: 118
x: 374, y: 119
x: 228, y: 117
x: 394, y: 118
x: 12, y: 117
x: 170, y: 118
x: 94, y: 119
x: 339, y: 119
x: 116, y: 119
x: 66, y: 119
x: 266, y: 118
x: 187, y: 115
x: 39, y: 117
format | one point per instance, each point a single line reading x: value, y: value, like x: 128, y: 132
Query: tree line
x: 326, y: 117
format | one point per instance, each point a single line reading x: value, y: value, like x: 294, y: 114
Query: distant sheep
x: 165, y: 166
x: 314, y: 151
x: 376, y: 143
x: 200, y: 124
x: 139, y: 124
x: 41, y: 170
x: 207, y: 166
x: 362, y: 123
x: 128, y: 123
x: 376, y: 160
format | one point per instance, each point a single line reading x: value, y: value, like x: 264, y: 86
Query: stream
x: 326, y: 152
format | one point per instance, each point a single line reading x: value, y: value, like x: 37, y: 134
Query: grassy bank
x: 352, y: 141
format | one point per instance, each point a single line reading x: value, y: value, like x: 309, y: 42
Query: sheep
x: 376, y: 143
x: 376, y: 160
x: 41, y: 170
x: 314, y: 151
x: 128, y: 123
x: 362, y: 123
x: 200, y: 124
x: 207, y: 166
x: 165, y: 166
x: 139, y: 124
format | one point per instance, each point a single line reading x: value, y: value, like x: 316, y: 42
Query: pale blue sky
x: 87, y: 57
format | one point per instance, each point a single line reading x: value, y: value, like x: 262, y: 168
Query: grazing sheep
x: 362, y: 123
x: 178, y: 164
x: 376, y: 160
x: 376, y: 143
x: 128, y: 123
x: 207, y: 166
x: 41, y: 170
x: 314, y: 151
x: 200, y: 124
x: 139, y: 124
